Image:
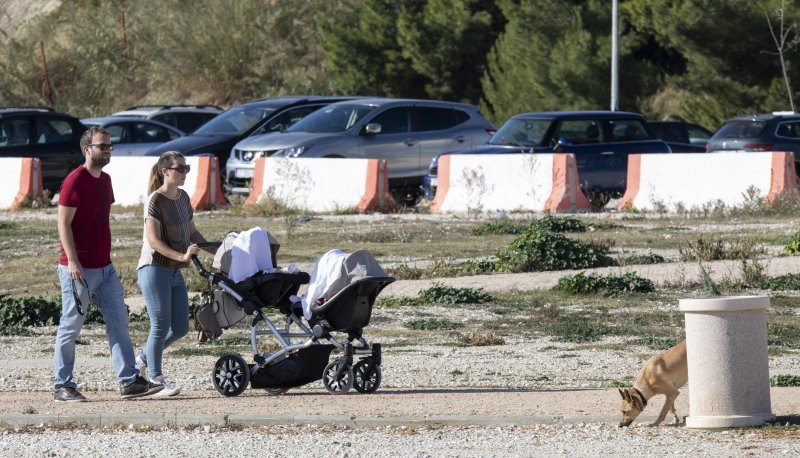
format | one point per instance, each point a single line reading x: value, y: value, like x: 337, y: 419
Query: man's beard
x: 100, y: 160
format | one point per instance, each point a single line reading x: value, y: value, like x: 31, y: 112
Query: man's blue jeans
x: 108, y: 293
x: 167, y: 301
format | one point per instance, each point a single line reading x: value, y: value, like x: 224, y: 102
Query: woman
x: 170, y: 241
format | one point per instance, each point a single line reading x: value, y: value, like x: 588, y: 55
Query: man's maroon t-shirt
x: 90, y: 228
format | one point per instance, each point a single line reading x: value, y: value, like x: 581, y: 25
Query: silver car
x: 406, y: 133
x: 133, y: 136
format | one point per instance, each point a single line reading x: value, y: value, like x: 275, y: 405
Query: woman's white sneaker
x: 168, y: 390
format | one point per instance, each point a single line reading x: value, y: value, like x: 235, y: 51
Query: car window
x: 432, y: 118
x: 670, y: 132
x: 150, y: 133
x: 235, y: 121
x: 741, y: 129
x: 332, y: 118
x: 789, y: 130
x: 521, y: 132
x: 118, y: 133
x: 581, y: 131
x: 52, y: 130
x: 394, y: 120
x: 697, y: 136
x: 629, y: 130
x: 286, y: 119
x: 15, y: 132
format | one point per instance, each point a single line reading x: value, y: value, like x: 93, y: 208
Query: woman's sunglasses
x: 181, y: 168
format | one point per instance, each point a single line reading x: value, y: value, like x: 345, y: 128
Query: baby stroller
x: 333, y: 321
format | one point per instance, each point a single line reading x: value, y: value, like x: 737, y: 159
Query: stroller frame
x: 297, y: 363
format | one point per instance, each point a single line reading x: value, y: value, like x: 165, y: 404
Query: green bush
x: 478, y: 266
x: 637, y: 259
x: 441, y: 294
x: 608, y: 285
x: 559, y: 224
x: 499, y: 227
x: 793, y: 247
x: 786, y: 282
x: 784, y: 380
x: 18, y: 313
x: 539, y: 250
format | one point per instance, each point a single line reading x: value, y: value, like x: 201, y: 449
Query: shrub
x: 438, y: 268
x: 786, y: 282
x: 793, y: 247
x: 716, y: 249
x: 499, y: 227
x: 538, y: 250
x: 17, y: 313
x: 478, y: 266
x: 649, y: 258
x: 609, y: 285
x: 784, y: 380
x: 441, y: 294
x: 559, y: 224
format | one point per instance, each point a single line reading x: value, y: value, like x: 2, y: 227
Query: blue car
x: 600, y: 140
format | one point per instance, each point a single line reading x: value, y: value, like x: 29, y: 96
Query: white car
x: 133, y: 136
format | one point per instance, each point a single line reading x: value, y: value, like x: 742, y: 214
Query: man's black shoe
x: 67, y: 394
x: 139, y: 387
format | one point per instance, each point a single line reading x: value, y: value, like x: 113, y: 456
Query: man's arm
x: 65, y: 217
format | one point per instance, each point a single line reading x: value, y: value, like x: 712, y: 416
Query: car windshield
x: 741, y: 129
x: 333, y: 118
x: 235, y: 121
x: 521, y: 132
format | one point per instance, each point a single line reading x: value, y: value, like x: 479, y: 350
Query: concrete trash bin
x: 726, y: 345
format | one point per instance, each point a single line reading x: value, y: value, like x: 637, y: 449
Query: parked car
x: 49, y: 135
x: 600, y: 140
x: 186, y: 118
x: 683, y: 136
x: 406, y: 133
x: 779, y: 131
x: 259, y: 116
x: 134, y: 136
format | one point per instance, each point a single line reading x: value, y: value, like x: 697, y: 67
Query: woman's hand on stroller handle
x: 191, y: 251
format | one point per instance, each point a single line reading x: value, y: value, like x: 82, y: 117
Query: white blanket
x: 250, y: 254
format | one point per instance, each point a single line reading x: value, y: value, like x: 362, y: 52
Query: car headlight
x: 248, y: 156
x: 294, y: 151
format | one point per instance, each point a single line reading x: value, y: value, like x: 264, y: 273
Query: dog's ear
x: 638, y: 402
x: 621, y: 393
x: 626, y: 395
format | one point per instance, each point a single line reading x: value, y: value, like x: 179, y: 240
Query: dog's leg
x: 669, y: 405
x: 676, y: 421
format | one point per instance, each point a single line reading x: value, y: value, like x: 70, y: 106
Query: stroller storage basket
x: 299, y: 368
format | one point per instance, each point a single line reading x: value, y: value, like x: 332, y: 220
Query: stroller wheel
x: 337, y: 384
x: 367, y: 376
x: 231, y: 375
x: 275, y: 391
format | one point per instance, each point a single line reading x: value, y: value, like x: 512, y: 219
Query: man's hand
x: 75, y: 270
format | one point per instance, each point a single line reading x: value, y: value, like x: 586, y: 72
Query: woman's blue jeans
x: 167, y: 301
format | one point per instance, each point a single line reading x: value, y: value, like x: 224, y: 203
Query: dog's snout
x: 624, y: 423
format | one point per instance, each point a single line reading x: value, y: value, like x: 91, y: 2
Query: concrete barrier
x: 674, y: 181
x: 130, y: 176
x: 321, y: 184
x: 527, y: 182
x: 22, y: 181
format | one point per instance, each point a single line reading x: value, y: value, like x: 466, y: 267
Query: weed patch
x: 608, y: 285
x: 577, y: 328
x: 637, y: 259
x: 438, y: 268
x: 784, y: 380
x: 397, y: 302
x: 433, y: 324
x: 714, y: 249
x: 500, y: 227
x: 540, y: 250
x: 441, y: 294
x: 786, y: 282
x: 477, y: 339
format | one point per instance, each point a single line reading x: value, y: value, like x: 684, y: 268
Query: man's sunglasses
x: 103, y: 146
x: 181, y: 168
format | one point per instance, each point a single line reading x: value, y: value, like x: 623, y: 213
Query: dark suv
x: 46, y: 134
x: 259, y: 116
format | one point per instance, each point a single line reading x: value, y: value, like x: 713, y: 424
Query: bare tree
x: 785, y: 40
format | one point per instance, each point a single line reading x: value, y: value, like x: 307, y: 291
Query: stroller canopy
x: 335, y: 270
x: 242, y: 255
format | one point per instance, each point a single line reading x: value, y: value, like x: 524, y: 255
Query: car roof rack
x: 39, y: 108
x: 779, y: 113
x: 139, y: 107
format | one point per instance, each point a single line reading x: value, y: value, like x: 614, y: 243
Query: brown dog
x: 661, y: 374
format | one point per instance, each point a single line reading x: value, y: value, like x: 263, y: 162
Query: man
x: 87, y: 275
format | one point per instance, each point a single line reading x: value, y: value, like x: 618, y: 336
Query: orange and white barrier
x: 22, y: 181
x: 509, y: 182
x: 322, y: 184
x: 130, y: 176
x: 689, y: 181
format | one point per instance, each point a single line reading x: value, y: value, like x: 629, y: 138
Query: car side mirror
x: 372, y: 128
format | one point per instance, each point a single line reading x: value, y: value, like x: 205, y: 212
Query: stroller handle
x: 196, y: 260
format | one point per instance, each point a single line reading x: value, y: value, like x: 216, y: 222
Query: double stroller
x: 297, y: 350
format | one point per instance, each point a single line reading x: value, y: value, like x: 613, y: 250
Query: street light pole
x: 614, y: 56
